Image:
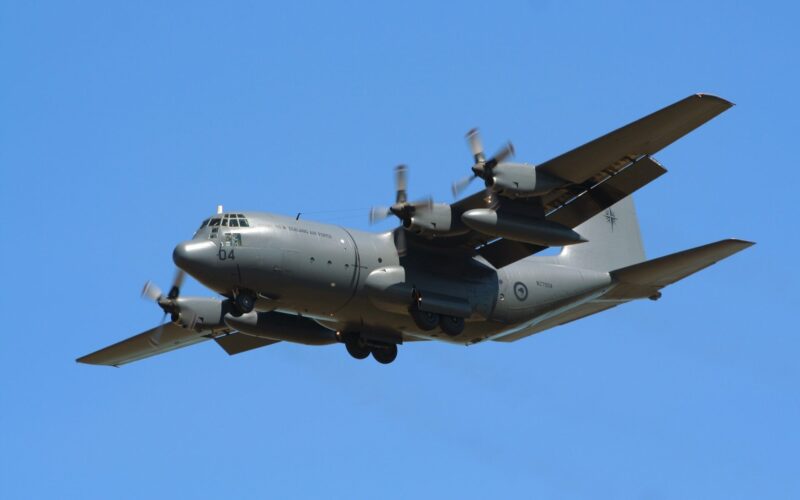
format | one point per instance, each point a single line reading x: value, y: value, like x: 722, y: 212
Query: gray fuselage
x: 338, y: 277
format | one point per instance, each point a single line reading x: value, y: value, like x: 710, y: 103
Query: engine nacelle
x: 434, y: 222
x: 200, y: 313
x: 519, y: 180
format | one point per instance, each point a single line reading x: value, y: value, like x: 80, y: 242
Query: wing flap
x: 236, y: 343
x: 144, y: 345
x: 601, y: 196
x: 645, y: 136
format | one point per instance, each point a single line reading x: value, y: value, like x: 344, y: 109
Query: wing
x: 171, y: 337
x: 144, y: 345
x: 594, y: 177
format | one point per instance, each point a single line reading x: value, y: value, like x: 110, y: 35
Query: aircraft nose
x: 194, y: 256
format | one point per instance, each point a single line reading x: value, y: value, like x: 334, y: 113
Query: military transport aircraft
x: 461, y: 273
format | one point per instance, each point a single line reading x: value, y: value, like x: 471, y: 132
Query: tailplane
x: 647, y: 278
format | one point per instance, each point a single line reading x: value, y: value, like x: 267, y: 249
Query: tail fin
x: 614, y: 240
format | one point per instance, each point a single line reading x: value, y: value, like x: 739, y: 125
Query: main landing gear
x: 427, y: 321
x: 360, y: 348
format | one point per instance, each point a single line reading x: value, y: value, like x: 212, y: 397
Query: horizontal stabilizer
x: 240, y: 342
x: 646, y: 278
x: 157, y: 340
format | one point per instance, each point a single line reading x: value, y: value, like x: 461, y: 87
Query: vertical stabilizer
x: 614, y: 240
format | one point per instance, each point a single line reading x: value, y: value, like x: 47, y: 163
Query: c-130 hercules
x: 461, y: 273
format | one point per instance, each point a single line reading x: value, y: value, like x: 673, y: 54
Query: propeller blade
x: 157, y: 335
x: 151, y: 291
x: 401, y: 182
x: 423, y: 204
x: 400, y: 241
x: 475, y: 145
x: 505, y: 152
x: 461, y: 185
x: 176, y: 284
x: 377, y: 214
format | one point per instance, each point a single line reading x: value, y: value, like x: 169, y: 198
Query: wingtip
x: 704, y: 95
x: 737, y: 243
x: 90, y: 359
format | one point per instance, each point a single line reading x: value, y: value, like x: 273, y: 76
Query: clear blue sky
x: 123, y: 125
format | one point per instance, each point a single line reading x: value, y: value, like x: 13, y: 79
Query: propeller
x: 482, y: 168
x: 402, y: 208
x: 169, y: 303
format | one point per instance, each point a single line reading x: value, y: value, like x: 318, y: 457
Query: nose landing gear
x: 243, y: 302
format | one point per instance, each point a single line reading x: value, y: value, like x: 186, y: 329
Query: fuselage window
x: 243, y: 223
x: 234, y: 223
x: 232, y: 240
x: 224, y: 222
x: 214, y: 222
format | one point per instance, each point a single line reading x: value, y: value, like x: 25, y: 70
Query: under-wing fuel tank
x: 519, y: 228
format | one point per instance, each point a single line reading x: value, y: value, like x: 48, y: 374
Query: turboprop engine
x: 519, y: 180
x: 512, y: 180
x: 437, y: 220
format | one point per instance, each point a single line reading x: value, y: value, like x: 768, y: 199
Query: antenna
x: 219, y: 209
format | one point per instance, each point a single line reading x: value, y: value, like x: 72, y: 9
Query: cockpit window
x: 227, y: 220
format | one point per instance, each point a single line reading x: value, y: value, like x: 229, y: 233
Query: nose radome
x: 194, y: 256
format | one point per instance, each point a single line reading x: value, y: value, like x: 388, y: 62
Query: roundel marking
x: 520, y: 291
